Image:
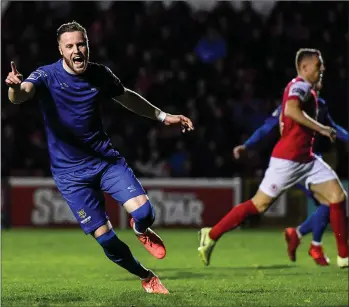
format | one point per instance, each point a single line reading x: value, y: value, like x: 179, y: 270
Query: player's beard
x: 77, y: 68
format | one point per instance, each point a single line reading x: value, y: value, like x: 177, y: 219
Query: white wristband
x: 161, y: 117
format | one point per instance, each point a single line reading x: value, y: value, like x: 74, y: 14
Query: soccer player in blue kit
x: 84, y: 163
x: 319, y: 220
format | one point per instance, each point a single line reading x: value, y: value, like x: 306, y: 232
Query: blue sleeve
x: 264, y: 130
x: 342, y: 134
x: 38, y: 78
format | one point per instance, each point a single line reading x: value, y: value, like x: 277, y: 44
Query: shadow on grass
x: 64, y: 299
x: 196, y: 273
x: 239, y: 268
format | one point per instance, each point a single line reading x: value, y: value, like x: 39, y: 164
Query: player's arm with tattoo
x: 139, y: 105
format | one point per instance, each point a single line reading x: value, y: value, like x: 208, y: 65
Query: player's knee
x: 337, y: 197
x: 260, y: 206
x: 144, y: 216
x: 106, y: 238
x: 102, y: 230
x: 261, y: 202
x: 113, y: 247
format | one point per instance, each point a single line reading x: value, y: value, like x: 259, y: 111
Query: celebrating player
x: 84, y: 163
x: 292, y: 161
x: 319, y: 220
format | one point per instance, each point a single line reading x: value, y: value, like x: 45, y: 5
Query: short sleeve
x: 299, y: 90
x: 114, y: 86
x: 37, y: 77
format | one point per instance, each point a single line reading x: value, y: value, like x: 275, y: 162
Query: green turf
x: 248, y: 268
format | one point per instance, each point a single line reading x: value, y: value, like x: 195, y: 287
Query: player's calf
x: 339, y: 224
x: 118, y: 252
x: 257, y: 205
x: 336, y: 196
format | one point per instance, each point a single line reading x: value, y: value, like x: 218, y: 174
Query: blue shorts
x: 83, y: 190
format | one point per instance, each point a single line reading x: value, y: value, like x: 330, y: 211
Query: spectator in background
x: 211, y: 47
x: 226, y: 67
x: 179, y: 161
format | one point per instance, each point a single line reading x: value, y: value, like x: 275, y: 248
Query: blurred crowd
x: 225, y: 68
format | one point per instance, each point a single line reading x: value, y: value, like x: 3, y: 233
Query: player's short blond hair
x: 305, y: 53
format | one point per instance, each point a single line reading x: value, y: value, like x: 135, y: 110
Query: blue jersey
x: 273, y: 122
x: 70, y: 107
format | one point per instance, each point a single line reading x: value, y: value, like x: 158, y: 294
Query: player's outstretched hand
x: 238, y: 150
x: 329, y: 132
x: 185, y: 122
x: 14, y: 78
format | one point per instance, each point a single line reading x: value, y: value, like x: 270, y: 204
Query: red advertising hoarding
x: 177, y: 202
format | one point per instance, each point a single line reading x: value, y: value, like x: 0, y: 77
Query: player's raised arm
x: 18, y: 91
x: 139, y: 105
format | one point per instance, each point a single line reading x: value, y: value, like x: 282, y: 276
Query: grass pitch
x: 248, y: 268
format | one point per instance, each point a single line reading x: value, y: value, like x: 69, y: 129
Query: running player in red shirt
x: 293, y: 161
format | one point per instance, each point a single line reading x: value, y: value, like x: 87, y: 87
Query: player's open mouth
x: 78, y: 60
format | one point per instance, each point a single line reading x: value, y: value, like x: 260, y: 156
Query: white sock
x: 150, y: 275
x: 316, y: 243
x: 298, y: 233
x: 134, y: 229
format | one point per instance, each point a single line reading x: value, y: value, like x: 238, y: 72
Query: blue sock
x: 321, y: 218
x: 316, y: 223
x: 144, y: 217
x: 307, y: 226
x: 118, y: 252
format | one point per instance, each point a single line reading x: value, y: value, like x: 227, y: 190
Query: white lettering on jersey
x: 35, y: 75
x: 300, y: 89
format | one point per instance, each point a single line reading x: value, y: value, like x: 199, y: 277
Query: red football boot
x: 151, y: 241
x: 317, y: 253
x: 292, y: 241
x: 152, y: 284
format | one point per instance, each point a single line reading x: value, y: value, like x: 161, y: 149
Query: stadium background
x: 224, y: 65
x: 158, y: 49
